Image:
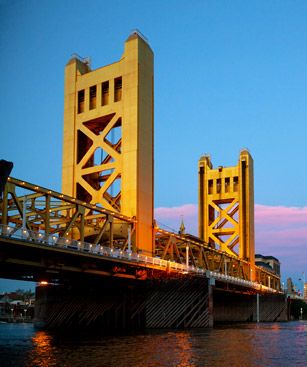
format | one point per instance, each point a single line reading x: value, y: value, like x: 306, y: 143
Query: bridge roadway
x: 48, y: 220
x: 94, y: 285
x: 103, y: 279
x: 30, y: 255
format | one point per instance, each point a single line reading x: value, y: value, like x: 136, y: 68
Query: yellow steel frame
x: 226, y: 207
x: 50, y: 212
x: 108, y: 136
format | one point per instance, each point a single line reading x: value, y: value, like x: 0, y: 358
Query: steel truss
x: 50, y: 213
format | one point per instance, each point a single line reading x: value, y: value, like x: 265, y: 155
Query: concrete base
x: 238, y: 307
x: 116, y: 303
x: 180, y: 303
x: 105, y: 306
x: 119, y: 304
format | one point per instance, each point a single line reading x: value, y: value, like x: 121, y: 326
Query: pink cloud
x: 171, y: 217
x: 280, y: 214
x: 187, y: 210
x: 280, y: 231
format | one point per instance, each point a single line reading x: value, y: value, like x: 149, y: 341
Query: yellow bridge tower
x: 226, y: 207
x: 108, y: 136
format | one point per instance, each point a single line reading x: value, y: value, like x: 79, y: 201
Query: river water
x: 264, y: 344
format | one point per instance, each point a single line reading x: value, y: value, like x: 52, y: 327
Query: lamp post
x: 187, y: 257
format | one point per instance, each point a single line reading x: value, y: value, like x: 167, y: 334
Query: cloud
x: 280, y: 231
x: 171, y: 217
x: 280, y: 215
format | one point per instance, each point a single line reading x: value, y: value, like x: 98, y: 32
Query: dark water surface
x: 269, y: 344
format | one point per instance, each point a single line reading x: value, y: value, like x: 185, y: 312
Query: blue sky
x: 228, y: 75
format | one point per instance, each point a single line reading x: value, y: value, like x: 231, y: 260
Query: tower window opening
x: 104, y: 93
x: 235, y: 183
x: 218, y: 185
x: 210, y: 186
x: 227, y: 184
x: 117, y: 89
x: 93, y: 93
x: 81, y: 101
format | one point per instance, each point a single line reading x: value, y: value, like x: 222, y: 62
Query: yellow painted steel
x: 50, y: 217
x: 226, y: 208
x: 108, y: 136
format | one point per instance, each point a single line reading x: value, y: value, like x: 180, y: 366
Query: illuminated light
x: 40, y: 235
x: 79, y: 243
x: 24, y: 231
x: 111, y: 250
x: 66, y: 241
x: 43, y: 282
x: 23, y: 183
x: 91, y: 246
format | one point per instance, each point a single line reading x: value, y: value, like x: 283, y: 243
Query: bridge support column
x: 241, y: 307
x: 117, y: 304
x: 107, y: 306
x: 180, y: 303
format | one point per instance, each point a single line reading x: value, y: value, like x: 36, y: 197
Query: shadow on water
x: 271, y: 344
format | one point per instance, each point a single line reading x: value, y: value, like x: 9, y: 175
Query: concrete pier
x: 186, y: 302
x: 118, y: 304
x: 240, y: 307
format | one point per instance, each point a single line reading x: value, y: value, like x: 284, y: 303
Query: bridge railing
x: 70, y: 245
x: 52, y: 218
x: 49, y: 212
x: 187, y: 249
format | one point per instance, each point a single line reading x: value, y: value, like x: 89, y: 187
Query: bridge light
x: 43, y: 282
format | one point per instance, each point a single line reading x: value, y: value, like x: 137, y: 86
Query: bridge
x: 96, y: 244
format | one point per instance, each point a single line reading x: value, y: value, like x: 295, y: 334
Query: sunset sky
x: 228, y: 75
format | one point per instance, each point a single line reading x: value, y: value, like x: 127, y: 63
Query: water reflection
x: 282, y: 344
x: 42, y: 353
x: 166, y: 349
